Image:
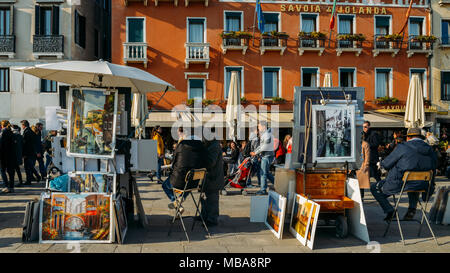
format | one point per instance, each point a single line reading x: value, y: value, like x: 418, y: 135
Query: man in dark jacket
x: 413, y: 155
x: 18, y: 147
x: 374, y: 142
x: 7, y: 156
x: 214, y: 182
x: 28, y: 152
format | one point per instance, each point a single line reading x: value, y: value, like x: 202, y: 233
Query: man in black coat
x: 413, y: 155
x: 18, y: 147
x: 40, y: 150
x: 28, y: 152
x: 374, y: 141
x: 7, y: 156
x: 214, y: 182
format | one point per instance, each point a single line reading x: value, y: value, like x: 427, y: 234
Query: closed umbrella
x: 415, y: 112
x: 233, y: 113
x: 139, y: 112
x: 327, y: 81
x: 99, y: 73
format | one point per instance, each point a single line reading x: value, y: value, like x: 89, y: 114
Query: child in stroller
x: 238, y: 179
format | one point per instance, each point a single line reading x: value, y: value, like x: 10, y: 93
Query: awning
x: 167, y: 119
x: 378, y: 120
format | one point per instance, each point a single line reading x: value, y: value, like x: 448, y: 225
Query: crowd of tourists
x: 23, y: 145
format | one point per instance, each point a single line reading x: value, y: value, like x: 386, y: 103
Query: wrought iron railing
x: 380, y: 42
x: 7, y: 43
x: 48, y: 43
x: 349, y: 43
x: 415, y: 44
x: 273, y: 41
x: 310, y: 42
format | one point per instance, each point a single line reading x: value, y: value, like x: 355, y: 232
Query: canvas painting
x: 312, y: 224
x: 333, y: 133
x: 275, y: 213
x: 92, y: 123
x: 91, y: 182
x: 121, y: 217
x: 69, y: 217
x: 300, y: 218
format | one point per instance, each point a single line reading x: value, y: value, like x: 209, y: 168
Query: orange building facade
x: 181, y: 43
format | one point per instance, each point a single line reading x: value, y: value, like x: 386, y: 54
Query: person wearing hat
x: 413, y: 155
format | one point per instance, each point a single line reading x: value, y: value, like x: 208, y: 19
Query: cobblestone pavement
x: 235, y: 233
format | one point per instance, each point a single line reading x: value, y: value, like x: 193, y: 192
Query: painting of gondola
x: 333, y: 133
x: 92, y: 123
x: 275, y: 213
x: 70, y: 217
x: 91, y: 182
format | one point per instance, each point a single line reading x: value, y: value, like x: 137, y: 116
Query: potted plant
x: 352, y: 37
x: 244, y: 100
x: 426, y: 38
x: 278, y: 100
x: 228, y: 34
x: 190, y: 102
x: 318, y: 35
x: 207, y: 102
x: 392, y: 37
x: 244, y: 35
x: 386, y: 100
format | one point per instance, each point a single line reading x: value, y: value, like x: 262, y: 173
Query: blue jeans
x: 265, y: 171
x: 168, y: 189
x: 158, y: 171
x: 382, y: 198
x: 256, y: 170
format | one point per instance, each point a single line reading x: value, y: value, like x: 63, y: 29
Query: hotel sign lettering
x: 328, y: 9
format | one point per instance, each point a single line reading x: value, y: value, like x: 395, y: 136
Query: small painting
x: 312, y: 224
x: 301, y: 218
x: 91, y: 182
x: 275, y: 213
x: 70, y: 217
x: 121, y: 218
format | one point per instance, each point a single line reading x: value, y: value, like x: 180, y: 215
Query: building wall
x: 166, y: 36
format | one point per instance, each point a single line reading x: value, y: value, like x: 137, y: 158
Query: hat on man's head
x: 414, y: 132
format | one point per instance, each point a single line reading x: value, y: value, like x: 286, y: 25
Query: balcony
x: 349, y: 44
x: 384, y: 44
x: 308, y: 43
x: 175, y: 2
x: 135, y: 53
x: 7, y: 46
x: 197, y: 53
x: 418, y: 44
x: 48, y: 45
x: 273, y: 43
x: 235, y: 41
x: 125, y: 2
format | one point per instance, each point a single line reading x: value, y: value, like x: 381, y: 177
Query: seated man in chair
x: 413, y: 155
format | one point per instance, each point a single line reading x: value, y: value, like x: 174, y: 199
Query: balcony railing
x: 197, y: 53
x: 311, y: 44
x: 273, y: 43
x: 135, y: 53
x: 48, y: 45
x: 235, y: 44
x: 383, y: 45
x: 417, y: 46
x: 349, y: 45
x: 7, y: 45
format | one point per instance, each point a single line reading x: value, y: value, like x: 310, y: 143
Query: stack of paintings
x: 304, y: 219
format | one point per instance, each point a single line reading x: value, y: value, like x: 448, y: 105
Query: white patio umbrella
x: 327, y: 81
x: 415, y: 112
x: 233, y: 113
x: 99, y: 73
x: 139, y: 112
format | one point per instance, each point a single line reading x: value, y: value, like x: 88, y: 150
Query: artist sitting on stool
x: 413, y: 155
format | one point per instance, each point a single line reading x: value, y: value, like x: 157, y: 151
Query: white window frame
x: 145, y: 26
x: 235, y: 11
x: 423, y: 24
x: 205, y: 40
x: 242, y: 79
x: 391, y: 81
x: 280, y: 93
x: 424, y: 79
x: 189, y: 86
x: 310, y: 13
x: 279, y: 20
x: 375, y: 23
x: 310, y: 67
x: 354, y: 22
x: 354, y: 75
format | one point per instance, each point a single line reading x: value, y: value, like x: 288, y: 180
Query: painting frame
x: 50, y: 196
x: 71, y: 120
x: 119, y: 211
x: 278, y: 221
x: 314, y: 218
x: 298, y: 208
x: 352, y: 146
x: 75, y: 173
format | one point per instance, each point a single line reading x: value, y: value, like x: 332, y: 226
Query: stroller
x: 238, y: 179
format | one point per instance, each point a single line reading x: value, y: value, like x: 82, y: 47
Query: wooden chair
x: 194, y: 181
x: 414, y: 176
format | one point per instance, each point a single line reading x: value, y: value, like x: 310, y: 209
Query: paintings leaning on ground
x: 92, y: 123
x: 333, y: 133
x: 275, y: 213
x: 84, y: 217
x: 91, y: 182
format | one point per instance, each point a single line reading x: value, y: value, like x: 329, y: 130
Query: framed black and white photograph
x: 333, y: 133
